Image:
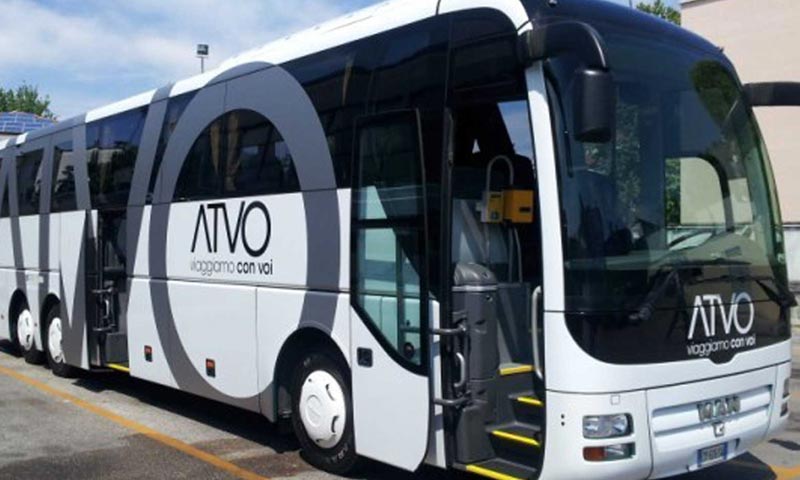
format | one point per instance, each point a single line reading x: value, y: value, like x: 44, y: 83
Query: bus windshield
x: 679, y: 208
x: 685, y: 180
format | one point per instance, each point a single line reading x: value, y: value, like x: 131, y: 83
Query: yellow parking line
x: 783, y: 473
x: 137, y: 427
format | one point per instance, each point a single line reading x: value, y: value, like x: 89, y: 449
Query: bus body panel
x: 215, y: 323
x: 53, y: 239
x: 143, y: 336
x: 6, y: 279
x: 513, y: 9
x: 6, y: 253
x: 563, y: 459
x: 71, y: 290
x: 141, y: 265
x: 29, y: 246
x: 380, y: 390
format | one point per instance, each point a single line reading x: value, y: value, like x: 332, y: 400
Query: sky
x: 88, y: 53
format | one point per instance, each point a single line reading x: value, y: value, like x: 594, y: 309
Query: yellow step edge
x: 534, y: 402
x: 516, y: 438
x: 515, y: 370
x: 119, y: 368
x: 485, y: 472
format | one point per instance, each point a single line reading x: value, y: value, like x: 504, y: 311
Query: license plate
x: 713, y: 454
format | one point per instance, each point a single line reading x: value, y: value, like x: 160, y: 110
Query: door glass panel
x: 388, y: 232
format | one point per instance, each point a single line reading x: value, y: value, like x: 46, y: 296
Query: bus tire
x: 320, y: 399
x: 54, y: 341
x: 26, y: 331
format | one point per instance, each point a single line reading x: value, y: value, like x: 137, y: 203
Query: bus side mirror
x: 594, y: 101
x: 594, y: 96
x: 773, y: 94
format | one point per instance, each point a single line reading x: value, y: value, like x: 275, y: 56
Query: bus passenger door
x: 389, y: 298
x: 107, y: 288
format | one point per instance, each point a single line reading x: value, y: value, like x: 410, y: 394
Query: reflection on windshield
x: 685, y: 173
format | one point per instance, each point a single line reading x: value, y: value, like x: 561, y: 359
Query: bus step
x: 519, y: 434
x: 528, y: 401
x: 498, y: 469
x: 119, y: 367
x: 514, y: 369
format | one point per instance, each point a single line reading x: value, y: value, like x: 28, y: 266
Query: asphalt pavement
x: 110, y: 426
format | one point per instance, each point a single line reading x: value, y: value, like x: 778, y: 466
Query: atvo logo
x: 218, y: 213
x: 706, y: 307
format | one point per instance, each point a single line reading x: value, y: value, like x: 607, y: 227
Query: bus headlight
x: 786, y: 388
x: 607, y: 426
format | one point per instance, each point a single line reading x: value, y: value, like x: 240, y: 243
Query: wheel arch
x: 302, y: 341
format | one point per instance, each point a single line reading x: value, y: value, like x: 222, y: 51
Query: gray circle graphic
x: 275, y: 94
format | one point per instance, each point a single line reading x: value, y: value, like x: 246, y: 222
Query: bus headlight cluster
x: 607, y: 426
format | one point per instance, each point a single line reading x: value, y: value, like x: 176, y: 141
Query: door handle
x: 537, y: 359
x: 462, y: 369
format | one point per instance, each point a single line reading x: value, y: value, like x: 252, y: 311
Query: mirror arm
x: 561, y: 37
x: 773, y: 94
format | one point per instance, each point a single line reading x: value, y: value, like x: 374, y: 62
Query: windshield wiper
x: 646, y: 309
x: 780, y: 294
x: 714, y: 234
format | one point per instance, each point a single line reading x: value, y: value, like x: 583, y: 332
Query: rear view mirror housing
x: 594, y: 101
x: 773, y: 94
x: 594, y: 95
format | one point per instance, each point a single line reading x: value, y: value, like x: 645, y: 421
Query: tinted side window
x: 29, y: 182
x: 63, y: 178
x: 112, y: 145
x: 175, y: 109
x: 200, y: 174
x: 337, y: 82
x: 239, y: 154
x: 258, y: 160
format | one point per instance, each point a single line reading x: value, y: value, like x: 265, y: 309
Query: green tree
x: 26, y: 98
x: 662, y: 10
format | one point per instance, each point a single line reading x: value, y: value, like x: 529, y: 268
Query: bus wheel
x: 55, y: 350
x: 26, y: 330
x: 323, y: 414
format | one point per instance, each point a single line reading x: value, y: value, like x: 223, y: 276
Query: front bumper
x: 668, y: 432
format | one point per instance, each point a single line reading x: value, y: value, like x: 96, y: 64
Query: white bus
x: 520, y: 238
